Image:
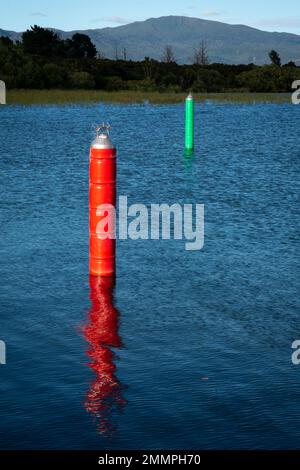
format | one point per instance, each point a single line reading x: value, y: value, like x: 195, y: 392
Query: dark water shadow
x: 105, y: 396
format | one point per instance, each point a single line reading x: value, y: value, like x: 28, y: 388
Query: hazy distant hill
x: 11, y: 34
x: 226, y: 43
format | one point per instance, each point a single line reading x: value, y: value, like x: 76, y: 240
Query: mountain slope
x: 10, y: 34
x: 226, y: 43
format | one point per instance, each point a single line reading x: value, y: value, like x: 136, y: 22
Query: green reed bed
x: 29, y: 97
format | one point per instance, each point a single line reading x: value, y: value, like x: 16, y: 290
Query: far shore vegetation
x: 44, y: 68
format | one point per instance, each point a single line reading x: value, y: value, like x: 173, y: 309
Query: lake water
x: 190, y: 349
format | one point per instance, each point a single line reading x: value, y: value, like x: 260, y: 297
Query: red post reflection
x: 101, y: 332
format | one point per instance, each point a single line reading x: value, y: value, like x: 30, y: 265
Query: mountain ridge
x: 226, y: 43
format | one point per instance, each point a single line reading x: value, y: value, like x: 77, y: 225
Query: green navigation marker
x: 189, y: 123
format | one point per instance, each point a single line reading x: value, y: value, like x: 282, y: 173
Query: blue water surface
x: 192, y: 349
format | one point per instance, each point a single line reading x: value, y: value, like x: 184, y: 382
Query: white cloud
x: 38, y: 13
x: 211, y: 13
x: 111, y: 19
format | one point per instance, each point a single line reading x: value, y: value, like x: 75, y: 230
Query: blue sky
x: 269, y: 15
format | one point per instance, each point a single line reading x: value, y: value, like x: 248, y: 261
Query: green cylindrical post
x: 189, y: 123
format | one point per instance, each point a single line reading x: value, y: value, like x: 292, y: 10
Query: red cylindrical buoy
x: 102, y: 191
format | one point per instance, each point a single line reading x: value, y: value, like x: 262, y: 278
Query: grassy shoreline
x: 29, y: 97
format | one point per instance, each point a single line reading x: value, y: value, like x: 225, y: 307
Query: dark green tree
x: 5, y: 41
x: 82, y: 80
x: 80, y: 47
x: 290, y: 64
x: 261, y: 79
x: 41, y: 41
x: 275, y: 58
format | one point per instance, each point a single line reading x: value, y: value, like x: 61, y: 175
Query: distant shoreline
x: 44, y: 97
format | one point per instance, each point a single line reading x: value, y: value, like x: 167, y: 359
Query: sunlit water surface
x: 190, y: 349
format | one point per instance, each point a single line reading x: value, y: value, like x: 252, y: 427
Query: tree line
x: 43, y: 60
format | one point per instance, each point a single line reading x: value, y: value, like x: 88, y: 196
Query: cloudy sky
x: 269, y: 15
